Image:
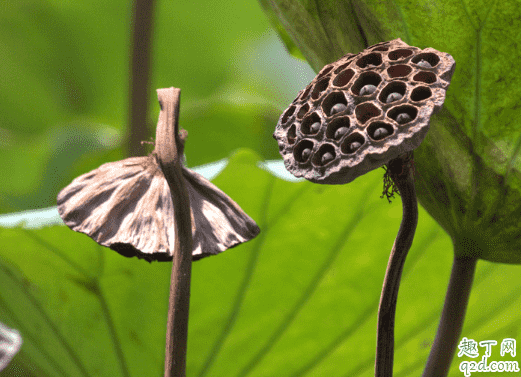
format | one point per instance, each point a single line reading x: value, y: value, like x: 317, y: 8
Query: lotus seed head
x: 403, y: 118
x: 424, y: 64
x: 354, y: 146
x: 328, y: 156
x: 315, y: 127
x: 380, y: 133
x: 339, y: 107
x: 393, y: 97
x: 367, y: 90
x: 306, y: 153
x: 340, y: 132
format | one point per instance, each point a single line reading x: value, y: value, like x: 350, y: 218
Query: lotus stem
x: 169, y: 151
x: 452, y: 318
x: 402, y: 174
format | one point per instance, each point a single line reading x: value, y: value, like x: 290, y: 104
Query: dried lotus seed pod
x: 363, y: 111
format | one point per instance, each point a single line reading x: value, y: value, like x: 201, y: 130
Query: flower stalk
x: 169, y: 152
x: 402, y: 174
x: 452, y: 317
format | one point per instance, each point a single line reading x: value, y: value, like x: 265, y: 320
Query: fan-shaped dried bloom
x: 363, y: 111
x: 127, y: 206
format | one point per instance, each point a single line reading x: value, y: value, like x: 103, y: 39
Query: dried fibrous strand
x: 127, y: 206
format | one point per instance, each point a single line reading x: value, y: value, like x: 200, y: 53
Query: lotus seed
x: 315, y: 127
x: 380, y: 133
x: 328, y: 156
x: 424, y: 64
x: 340, y: 132
x: 306, y: 153
x: 339, y: 107
x: 403, y: 118
x: 354, y: 146
x: 367, y: 89
x: 393, y: 97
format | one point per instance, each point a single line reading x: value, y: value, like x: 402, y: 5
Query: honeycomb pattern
x: 362, y: 111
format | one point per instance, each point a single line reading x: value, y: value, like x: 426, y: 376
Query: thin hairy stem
x: 401, y: 172
x: 452, y: 318
x: 169, y: 149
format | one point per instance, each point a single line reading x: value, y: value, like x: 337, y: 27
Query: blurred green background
x: 65, y: 86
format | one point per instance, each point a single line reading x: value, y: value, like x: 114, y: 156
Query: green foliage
x: 64, y: 93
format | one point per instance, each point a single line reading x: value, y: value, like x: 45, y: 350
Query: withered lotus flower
x: 127, y: 206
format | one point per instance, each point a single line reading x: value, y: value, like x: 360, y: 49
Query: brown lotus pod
x: 362, y: 111
x: 127, y: 206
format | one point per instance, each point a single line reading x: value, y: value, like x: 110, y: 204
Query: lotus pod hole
x: 400, y: 70
x: 366, y: 111
x: 366, y: 78
x: 382, y: 46
x: 319, y: 88
x: 403, y: 114
x: 309, y: 124
x: 303, y: 111
x: 341, y: 68
x: 303, y: 150
x: 352, y: 143
x: 426, y: 60
x: 362, y: 111
x: 379, y: 130
x: 292, y: 134
x: 343, y: 78
x: 324, y: 155
x: 420, y: 93
x: 333, y: 128
x: 333, y: 103
x: 393, y: 92
x: 288, y: 113
x: 399, y: 54
x: 373, y: 60
x: 425, y: 77
x: 325, y: 70
x: 306, y: 92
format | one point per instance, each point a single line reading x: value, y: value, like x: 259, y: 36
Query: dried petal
x: 127, y: 206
